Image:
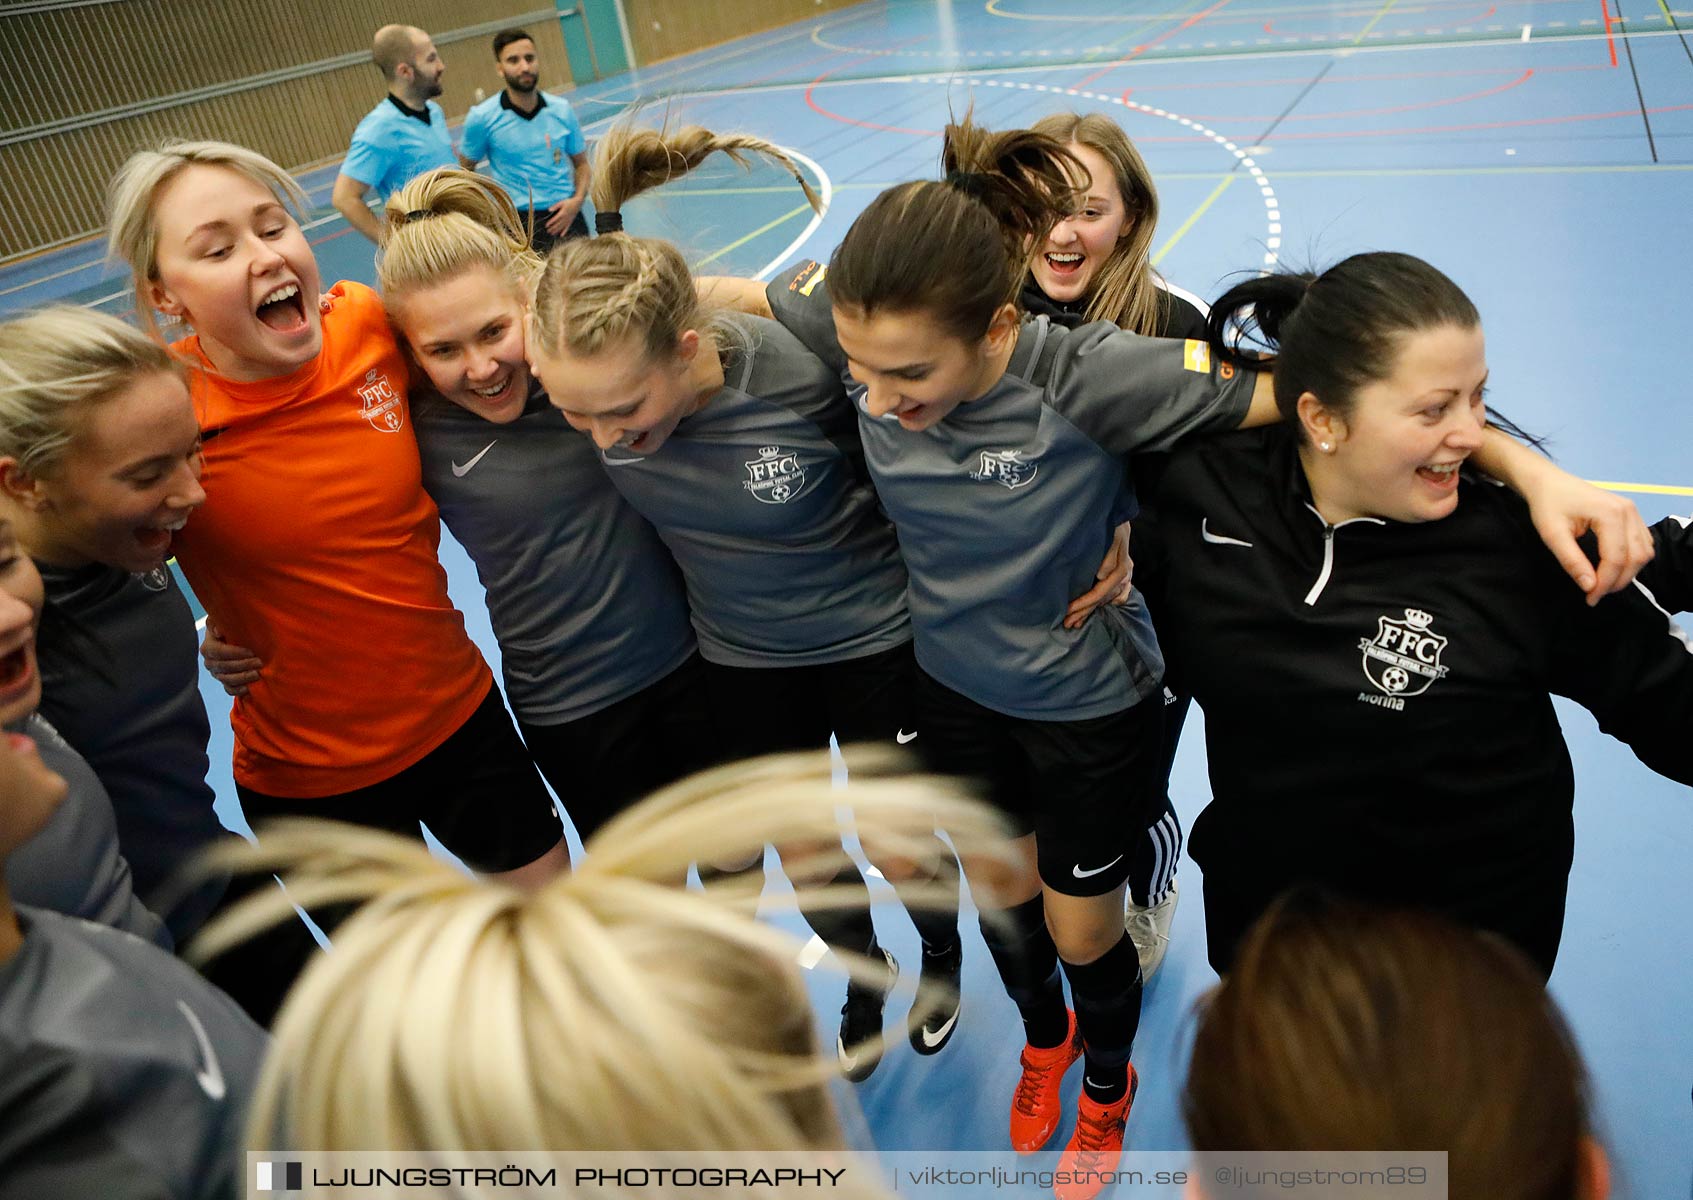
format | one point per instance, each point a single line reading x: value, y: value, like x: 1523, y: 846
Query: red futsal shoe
x: 1035, y: 1107
x: 1089, y: 1162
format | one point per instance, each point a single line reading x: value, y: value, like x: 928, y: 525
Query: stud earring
x: 1324, y: 447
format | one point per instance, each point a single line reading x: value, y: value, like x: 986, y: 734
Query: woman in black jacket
x: 1375, y: 632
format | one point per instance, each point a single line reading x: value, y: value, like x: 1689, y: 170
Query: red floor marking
x: 1332, y: 79
x: 1213, y: 118
x: 1605, y: 11
x: 1145, y: 46
x: 1386, y: 133
x: 811, y: 102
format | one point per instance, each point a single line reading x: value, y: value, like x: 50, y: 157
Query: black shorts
x: 540, y: 241
x: 1086, y: 789
x: 478, y: 792
x: 601, y: 763
x: 764, y: 710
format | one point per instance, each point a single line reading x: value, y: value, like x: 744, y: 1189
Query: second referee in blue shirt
x: 533, y: 144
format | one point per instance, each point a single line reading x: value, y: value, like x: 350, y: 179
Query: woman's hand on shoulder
x: 233, y: 666
x: 1565, y: 508
x: 1116, y: 580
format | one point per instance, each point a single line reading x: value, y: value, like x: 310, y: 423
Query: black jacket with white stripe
x: 1376, y: 694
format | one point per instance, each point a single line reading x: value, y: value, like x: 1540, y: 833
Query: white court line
x: 825, y: 192
x: 1266, y: 191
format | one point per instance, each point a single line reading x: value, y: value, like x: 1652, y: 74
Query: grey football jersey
x: 584, y: 599
x: 73, y: 865
x: 1006, y: 507
x: 763, y: 497
x: 127, y: 696
x: 171, y: 1058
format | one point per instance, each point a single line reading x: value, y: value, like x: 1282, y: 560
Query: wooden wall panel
x: 665, y: 28
x: 90, y: 59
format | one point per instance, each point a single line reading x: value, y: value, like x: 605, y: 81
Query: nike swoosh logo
x: 903, y: 738
x: 210, y: 1075
x: 932, y: 1040
x: 1081, y: 874
x: 461, y: 472
x: 848, y: 1060
x: 622, y: 462
x: 1217, y: 539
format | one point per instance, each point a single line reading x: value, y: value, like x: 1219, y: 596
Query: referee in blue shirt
x: 533, y: 144
x: 403, y: 136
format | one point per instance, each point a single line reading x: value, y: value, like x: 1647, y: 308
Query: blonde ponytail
x: 611, y: 1009
x: 445, y: 222
x: 605, y: 290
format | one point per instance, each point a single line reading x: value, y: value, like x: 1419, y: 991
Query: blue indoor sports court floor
x: 1541, y: 153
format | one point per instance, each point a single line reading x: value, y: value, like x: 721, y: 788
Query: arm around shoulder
x: 736, y: 295
x: 1564, y: 508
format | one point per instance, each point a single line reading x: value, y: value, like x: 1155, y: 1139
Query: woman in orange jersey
x: 316, y: 547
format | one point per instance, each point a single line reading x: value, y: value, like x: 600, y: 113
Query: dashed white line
x: 1272, y: 206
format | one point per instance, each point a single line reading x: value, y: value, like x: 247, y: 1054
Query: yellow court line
x: 1650, y: 489
x: 1192, y: 218
x: 765, y: 228
x: 1365, y: 33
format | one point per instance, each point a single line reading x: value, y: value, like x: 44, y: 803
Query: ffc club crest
x: 1005, y: 467
x: 382, y: 405
x: 156, y: 580
x: 775, y: 476
x: 1403, y: 659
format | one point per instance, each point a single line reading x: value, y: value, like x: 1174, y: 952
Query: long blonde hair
x: 611, y: 1009
x: 1125, y: 290
x: 132, y: 222
x: 598, y: 291
x: 55, y: 365
x: 448, y: 221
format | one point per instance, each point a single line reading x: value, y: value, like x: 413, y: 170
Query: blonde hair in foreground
x: 444, y: 223
x: 1126, y: 292
x: 613, y: 1009
x: 598, y: 291
x: 55, y: 365
x: 132, y: 223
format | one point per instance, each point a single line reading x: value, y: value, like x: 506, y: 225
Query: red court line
x: 1610, y: 41
x: 1145, y: 46
x: 1327, y: 80
x: 1212, y: 118
x: 811, y: 102
x: 1385, y: 133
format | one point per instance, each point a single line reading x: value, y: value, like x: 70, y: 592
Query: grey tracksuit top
x: 123, y: 687
x: 73, y: 865
x: 1006, y: 507
x: 584, y: 599
x: 763, y: 498
x: 122, y: 1072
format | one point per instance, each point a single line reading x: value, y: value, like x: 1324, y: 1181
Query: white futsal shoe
x: 1148, y: 927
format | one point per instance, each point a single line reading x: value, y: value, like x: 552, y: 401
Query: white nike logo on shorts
x: 903, y: 737
x: 1217, y: 539
x: 1081, y: 874
x: 460, y: 472
x: 210, y: 1075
